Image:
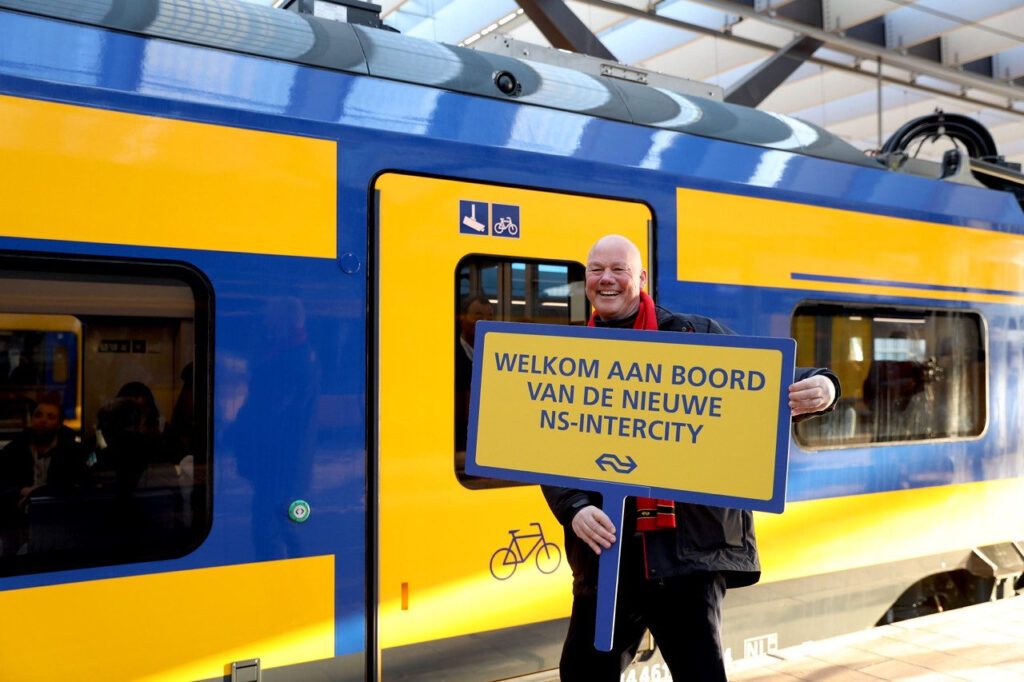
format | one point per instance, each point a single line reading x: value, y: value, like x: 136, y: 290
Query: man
x: 677, y: 560
x: 44, y: 454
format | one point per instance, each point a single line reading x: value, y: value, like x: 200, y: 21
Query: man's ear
x: 643, y: 279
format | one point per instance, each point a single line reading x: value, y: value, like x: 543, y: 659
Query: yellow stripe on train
x: 81, y: 174
x: 181, y: 625
x: 730, y: 239
x: 841, y: 533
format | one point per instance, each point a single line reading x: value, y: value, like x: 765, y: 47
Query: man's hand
x: 594, y: 527
x: 813, y: 394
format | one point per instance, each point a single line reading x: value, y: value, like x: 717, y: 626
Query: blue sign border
x: 785, y: 346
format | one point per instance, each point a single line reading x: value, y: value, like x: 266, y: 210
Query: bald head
x: 615, y: 277
x: 617, y: 243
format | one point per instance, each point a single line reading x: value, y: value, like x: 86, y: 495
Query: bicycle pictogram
x: 505, y: 560
x: 506, y: 224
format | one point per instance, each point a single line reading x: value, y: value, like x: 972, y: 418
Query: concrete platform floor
x: 983, y: 643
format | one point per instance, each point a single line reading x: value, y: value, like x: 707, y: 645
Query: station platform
x: 982, y: 643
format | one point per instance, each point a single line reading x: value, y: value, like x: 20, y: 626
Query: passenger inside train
x: 44, y: 459
x: 472, y: 310
x: 89, y: 468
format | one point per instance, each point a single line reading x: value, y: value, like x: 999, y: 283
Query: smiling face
x: 615, y: 277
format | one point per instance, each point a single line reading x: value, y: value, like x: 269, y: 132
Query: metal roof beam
x: 981, y: 67
x: 1009, y: 64
x: 930, y: 50
x: 389, y: 6
x: 861, y: 49
x: 563, y: 29
x: 926, y: 19
x: 805, y: 11
x: 654, y: 17
x: 839, y: 15
x: 969, y: 43
x: 450, y: 21
x: 752, y: 89
x: 871, y: 31
x: 913, y: 83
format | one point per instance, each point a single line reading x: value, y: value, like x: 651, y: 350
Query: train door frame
x: 415, y: 226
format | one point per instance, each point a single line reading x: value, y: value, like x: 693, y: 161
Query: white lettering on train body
x: 760, y: 646
x: 649, y: 672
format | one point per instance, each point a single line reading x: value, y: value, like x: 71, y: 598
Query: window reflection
x: 907, y: 374
x: 488, y: 288
x: 103, y: 455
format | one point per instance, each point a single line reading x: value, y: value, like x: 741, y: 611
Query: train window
x: 907, y: 374
x: 104, y: 372
x: 514, y: 290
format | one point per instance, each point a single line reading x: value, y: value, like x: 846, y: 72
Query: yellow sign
x: 693, y: 417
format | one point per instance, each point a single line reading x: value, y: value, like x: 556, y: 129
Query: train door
x: 442, y: 247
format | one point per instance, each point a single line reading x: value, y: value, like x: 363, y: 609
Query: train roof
x: 305, y: 39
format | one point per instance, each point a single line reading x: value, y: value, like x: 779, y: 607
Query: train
x: 239, y: 244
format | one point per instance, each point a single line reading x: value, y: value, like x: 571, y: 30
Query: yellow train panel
x: 75, y: 173
x: 836, y: 534
x: 436, y: 536
x: 182, y: 625
x: 761, y: 242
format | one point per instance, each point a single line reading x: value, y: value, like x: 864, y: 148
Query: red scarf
x: 651, y: 514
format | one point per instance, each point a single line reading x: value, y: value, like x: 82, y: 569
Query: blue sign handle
x: 613, y: 505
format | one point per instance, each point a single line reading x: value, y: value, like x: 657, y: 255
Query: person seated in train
x: 147, y: 486
x: 473, y: 310
x: 134, y: 448
x: 44, y: 459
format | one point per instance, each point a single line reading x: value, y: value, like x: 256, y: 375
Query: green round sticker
x: 298, y: 511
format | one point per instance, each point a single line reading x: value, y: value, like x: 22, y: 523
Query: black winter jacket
x: 705, y: 539
x: 67, y: 469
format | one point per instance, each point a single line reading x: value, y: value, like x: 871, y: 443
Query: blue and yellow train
x: 237, y: 242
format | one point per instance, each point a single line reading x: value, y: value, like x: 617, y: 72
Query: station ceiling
x: 859, y: 68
